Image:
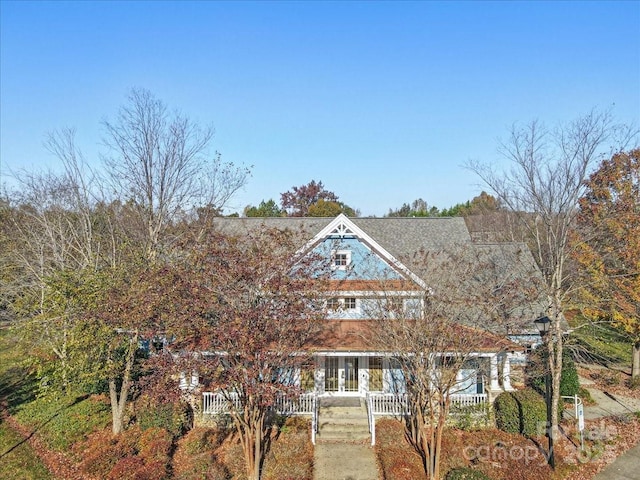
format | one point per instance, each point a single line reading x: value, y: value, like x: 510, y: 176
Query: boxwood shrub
x: 520, y: 411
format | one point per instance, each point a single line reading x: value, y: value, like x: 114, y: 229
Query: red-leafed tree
x: 608, y: 249
x: 298, y: 200
x: 243, y: 312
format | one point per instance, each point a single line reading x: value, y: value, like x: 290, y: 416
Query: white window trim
x: 342, y: 304
x: 335, y: 253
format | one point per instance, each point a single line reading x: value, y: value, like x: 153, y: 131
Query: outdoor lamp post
x: 543, y: 324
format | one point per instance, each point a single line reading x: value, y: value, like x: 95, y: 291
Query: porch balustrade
x: 218, y: 403
x: 396, y: 404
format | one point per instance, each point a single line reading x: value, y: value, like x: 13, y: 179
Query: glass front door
x: 331, y: 374
x: 351, y: 374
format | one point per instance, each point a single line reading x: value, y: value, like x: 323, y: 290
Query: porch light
x: 543, y: 325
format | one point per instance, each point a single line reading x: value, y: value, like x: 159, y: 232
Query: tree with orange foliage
x: 609, y: 247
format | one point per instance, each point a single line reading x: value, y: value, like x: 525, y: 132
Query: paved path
x: 344, y: 461
x: 625, y: 467
x: 606, y: 404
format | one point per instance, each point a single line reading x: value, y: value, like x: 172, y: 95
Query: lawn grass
x: 18, y: 461
x: 599, y: 343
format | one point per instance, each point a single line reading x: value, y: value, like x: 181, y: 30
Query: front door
x: 351, y: 374
x: 331, y: 374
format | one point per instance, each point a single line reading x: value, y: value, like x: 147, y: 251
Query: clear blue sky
x: 383, y: 102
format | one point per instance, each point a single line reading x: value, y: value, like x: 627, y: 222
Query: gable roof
x: 399, y: 239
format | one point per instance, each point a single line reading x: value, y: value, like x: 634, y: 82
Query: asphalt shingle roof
x: 404, y: 237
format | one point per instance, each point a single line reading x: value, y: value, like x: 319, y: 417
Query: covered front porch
x: 357, y: 374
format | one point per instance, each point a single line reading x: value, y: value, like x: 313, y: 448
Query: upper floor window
x: 395, y: 305
x: 350, y: 303
x: 347, y: 303
x: 333, y: 303
x: 341, y: 259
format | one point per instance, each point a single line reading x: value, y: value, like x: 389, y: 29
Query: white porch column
x: 506, y: 372
x: 318, y: 375
x: 494, y: 383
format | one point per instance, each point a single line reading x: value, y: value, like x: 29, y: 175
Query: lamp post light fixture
x: 543, y: 324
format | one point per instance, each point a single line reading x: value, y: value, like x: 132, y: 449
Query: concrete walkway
x: 607, y: 404
x: 343, y: 450
x: 344, y: 461
x: 625, y: 467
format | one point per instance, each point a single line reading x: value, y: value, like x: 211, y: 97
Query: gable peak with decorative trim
x: 342, y: 227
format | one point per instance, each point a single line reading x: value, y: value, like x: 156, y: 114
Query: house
x: 363, y: 251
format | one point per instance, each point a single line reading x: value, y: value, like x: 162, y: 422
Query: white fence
x: 468, y: 400
x: 397, y: 404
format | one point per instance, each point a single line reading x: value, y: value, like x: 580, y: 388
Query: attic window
x: 341, y: 259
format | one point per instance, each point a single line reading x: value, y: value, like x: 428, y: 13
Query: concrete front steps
x: 343, y: 422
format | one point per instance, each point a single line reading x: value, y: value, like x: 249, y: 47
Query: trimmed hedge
x: 466, y: 474
x: 521, y: 411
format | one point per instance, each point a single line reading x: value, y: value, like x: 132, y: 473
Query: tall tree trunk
x: 119, y: 399
x: 635, y: 360
x: 554, y: 343
x: 252, y: 426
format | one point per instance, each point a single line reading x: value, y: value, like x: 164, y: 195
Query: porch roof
x: 350, y: 335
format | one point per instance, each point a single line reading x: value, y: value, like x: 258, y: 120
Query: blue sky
x: 381, y: 101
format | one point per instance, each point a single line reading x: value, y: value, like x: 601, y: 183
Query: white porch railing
x: 397, y: 404
x: 218, y: 403
x: 468, y: 400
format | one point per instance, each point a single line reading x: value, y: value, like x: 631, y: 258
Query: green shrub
x: 470, y: 418
x: 521, y: 411
x: 466, y: 474
x: 537, y: 368
x: 569, y: 381
x: 506, y: 413
x: 175, y: 417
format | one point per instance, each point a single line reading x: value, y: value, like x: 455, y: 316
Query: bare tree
x: 542, y: 188
x: 159, y: 162
x: 60, y: 241
x: 437, y: 331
